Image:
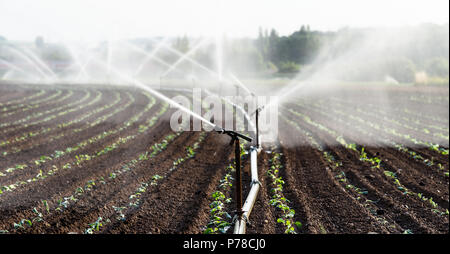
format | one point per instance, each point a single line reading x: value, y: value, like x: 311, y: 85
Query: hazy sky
x: 100, y: 19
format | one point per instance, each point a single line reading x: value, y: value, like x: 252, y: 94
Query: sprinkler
x: 257, y: 127
x: 243, y: 210
x: 257, y: 113
x: 237, y: 153
x: 232, y: 134
x: 238, y: 86
x: 237, y: 90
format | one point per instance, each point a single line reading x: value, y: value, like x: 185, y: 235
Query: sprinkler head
x: 232, y: 134
x: 218, y: 129
x: 258, y: 110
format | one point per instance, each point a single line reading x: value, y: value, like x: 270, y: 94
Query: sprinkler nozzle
x: 238, y: 135
x: 218, y: 129
x: 232, y: 134
x: 258, y: 110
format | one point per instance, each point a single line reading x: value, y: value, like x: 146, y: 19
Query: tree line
x: 405, y: 54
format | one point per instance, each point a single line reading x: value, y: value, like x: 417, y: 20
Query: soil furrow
x: 77, y: 119
x: 88, y: 149
x: 263, y: 219
x: 100, y: 200
x: 359, y: 137
x: 54, y: 101
x: 75, y: 176
x: 344, y: 214
x: 428, y: 219
x: 15, y: 135
x: 174, y: 204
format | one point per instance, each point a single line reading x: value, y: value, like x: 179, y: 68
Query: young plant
x: 278, y: 200
x: 95, y: 226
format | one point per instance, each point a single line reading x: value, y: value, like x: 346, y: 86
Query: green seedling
x: 94, y: 226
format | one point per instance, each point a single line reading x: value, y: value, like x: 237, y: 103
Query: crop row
x: 48, y: 208
x: 86, y: 126
x: 387, y: 119
x: 363, y: 129
x: 25, y: 135
x: 78, y: 162
x: 69, y: 150
x: 336, y: 165
x: 429, y: 100
x: 410, y: 115
x: 39, y: 114
x: 378, y: 127
x: 20, y: 100
x: 406, y: 115
x: 32, y: 105
x: 220, y: 220
x: 41, y: 104
x: 278, y: 199
x: 89, y: 125
x: 375, y: 162
x: 134, y: 200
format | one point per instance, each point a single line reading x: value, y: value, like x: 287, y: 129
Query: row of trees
x: 288, y: 53
x: 370, y: 54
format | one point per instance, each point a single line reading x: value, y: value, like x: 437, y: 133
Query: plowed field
x: 88, y: 159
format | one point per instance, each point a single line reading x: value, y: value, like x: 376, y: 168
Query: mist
x: 331, y: 75
x: 386, y: 63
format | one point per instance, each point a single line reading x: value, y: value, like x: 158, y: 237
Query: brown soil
x: 179, y: 202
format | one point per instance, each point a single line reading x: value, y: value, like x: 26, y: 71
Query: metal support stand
x: 237, y: 153
x: 256, y: 113
x: 257, y: 128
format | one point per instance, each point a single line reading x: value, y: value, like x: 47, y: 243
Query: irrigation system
x: 243, y: 209
x: 241, y: 222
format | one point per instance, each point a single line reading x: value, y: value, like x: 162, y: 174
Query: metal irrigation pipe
x: 241, y: 223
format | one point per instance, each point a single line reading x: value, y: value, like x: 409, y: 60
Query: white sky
x: 101, y: 19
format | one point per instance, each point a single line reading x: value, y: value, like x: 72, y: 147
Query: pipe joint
x: 256, y: 182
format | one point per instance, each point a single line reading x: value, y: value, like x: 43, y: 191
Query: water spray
x: 242, y: 209
x: 235, y: 136
x: 184, y: 57
x: 239, y: 83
